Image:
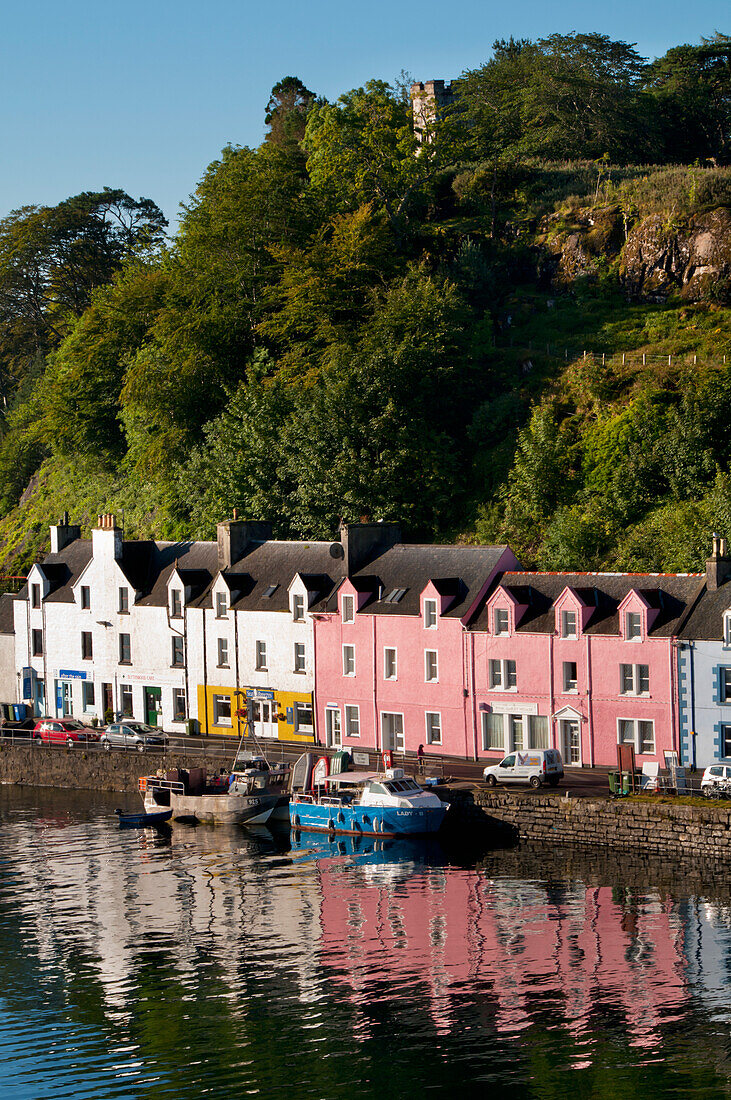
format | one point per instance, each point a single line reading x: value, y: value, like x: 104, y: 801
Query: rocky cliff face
x: 657, y: 259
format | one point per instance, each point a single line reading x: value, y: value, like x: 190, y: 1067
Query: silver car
x: 133, y: 735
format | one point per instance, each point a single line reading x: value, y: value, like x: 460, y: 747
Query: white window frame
x: 348, y: 660
x: 222, y: 653
x: 431, y: 679
x: 635, y: 680
x: 387, y: 659
x: 507, y: 670
x: 347, y: 609
x: 566, y: 631
x: 300, y: 657
x: 227, y: 724
x: 177, y: 691
x: 221, y: 605
x: 486, y: 716
x: 727, y: 628
x: 430, y: 614
x: 570, y: 686
x: 299, y: 725
x: 298, y: 607
x: 86, y: 704
x: 629, y: 634
x: 497, y: 620
x: 636, y: 741
x: 173, y: 663
x: 176, y: 603
x: 260, y: 655
x: 352, y: 711
x: 434, y: 729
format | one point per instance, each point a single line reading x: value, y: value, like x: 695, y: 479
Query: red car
x: 63, y: 731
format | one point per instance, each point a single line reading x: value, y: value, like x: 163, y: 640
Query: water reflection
x: 218, y: 961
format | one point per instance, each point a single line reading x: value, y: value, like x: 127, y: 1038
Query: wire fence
x: 624, y: 358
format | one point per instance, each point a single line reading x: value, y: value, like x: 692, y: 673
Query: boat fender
x: 296, y: 821
x: 341, y: 816
x: 143, y: 783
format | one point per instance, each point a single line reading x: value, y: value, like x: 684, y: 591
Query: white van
x: 539, y: 767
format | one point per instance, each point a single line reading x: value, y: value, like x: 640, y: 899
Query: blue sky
x: 144, y: 95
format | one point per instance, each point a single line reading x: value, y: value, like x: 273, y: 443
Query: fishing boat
x: 247, y: 794
x: 143, y: 820
x: 367, y: 804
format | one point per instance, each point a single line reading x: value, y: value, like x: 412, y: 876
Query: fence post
x: 644, y: 359
x: 695, y: 360
x: 622, y: 358
x: 670, y: 360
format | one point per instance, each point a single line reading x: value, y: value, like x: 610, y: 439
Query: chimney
x: 362, y: 542
x: 62, y: 533
x: 106, y: 538
x: 236, y: 537
x: 718, y: 566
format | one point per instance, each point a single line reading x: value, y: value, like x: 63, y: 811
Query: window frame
x: 299, y: 726
x: 222, y: 658
x: 35, y: 597
x: 432, y: 737
x: 390, y: 662
x: 570, y: 684
x: 630, y: 617
x: 125, y: 644
x: 570, y: 633
x: 431, y: 655
x: 637, y: 741
x: 218, y: 700
x: 123, y: 600
x: 87, y: 704
x: 431, y: 614
x: 507, y: 674
x: 177, y: 649
x: 179, y: 715
x: 300, y: 658
x: 350, y: 730
x: 221, y: 602
x: 176, y: 603
x: 348, y: 658
x: 497, y: 620
x: 85, y: 597
x: 486, y: 716
x: 347, y: 608
x: 87, y: 645
x: 260, y: 655
x: 36, y: 642
x: 126, y: 690
x: 298, y: 607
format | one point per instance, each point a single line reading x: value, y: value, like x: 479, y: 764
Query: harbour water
x: 221, y: 963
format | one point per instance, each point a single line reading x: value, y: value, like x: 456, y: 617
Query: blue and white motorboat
x: 368, y: 804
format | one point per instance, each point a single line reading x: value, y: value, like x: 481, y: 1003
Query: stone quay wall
x: 654, y: 828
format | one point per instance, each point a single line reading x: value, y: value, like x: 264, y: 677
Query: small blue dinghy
x: 143, y: 820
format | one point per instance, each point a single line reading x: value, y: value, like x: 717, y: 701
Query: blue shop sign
x: 259, y: 693
x: 29, y: 677
x: 70, y: 674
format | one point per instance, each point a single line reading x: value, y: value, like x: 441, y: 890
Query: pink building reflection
x: 505, y: 942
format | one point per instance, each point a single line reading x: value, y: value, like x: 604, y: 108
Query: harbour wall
x: 654, y: 828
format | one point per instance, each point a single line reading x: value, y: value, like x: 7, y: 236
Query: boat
x: 250, y: 793
x: 144, y: 820
x: 377, y: 804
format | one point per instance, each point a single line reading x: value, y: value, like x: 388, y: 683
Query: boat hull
x: 222, y: 809
x: 359, y: 820
x: 148, y: 820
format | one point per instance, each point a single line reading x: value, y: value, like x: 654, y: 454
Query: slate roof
x: 458, y: 571
x: 672, y: 594
x: 705, y: 622
x: 7, y: 625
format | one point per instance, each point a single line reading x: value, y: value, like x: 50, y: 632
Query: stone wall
x: 656, y: 828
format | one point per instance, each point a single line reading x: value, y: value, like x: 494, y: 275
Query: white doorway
x: 332, y: 728
x: 392, y: 732
x: 571, y: 742
x: 264, y: 718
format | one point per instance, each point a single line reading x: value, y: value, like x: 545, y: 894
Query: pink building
x: 580, y: 662
x: 391, y: 652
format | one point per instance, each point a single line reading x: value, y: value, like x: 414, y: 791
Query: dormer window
x: 221, y: 605
x: 176, y: 603
x: 348, y: 609
x: 568, y: 624
x: 430, y: 614
x: 35, y: 594
x: 298, y: 608
x: 633, y: 626
x: 501, y: 620
x: 85, y: 597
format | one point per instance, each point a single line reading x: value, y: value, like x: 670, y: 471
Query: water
x: 216, y: 963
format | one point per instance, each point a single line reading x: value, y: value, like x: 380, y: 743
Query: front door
x: 108, y: 696
x: 153, y: 705
x: 392, y: 731
x: 66, y: 707
x: 571, y: 742
x: 264, y: 717
x: 332, y: 728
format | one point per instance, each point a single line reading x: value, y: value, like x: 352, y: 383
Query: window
x: 724, y: 685
x: 125, y: 700
x: 348, y: 606
x: 348, y: 660
x: 726, y: 740
x: 221, y: 605
x: 299, y: 656
x: 85, y: 597
x: 431, y: 667
x: 430, y: 614
x: 538, y: 729
x: 303, y: 722
x: 633, y: 626
x: 35, y: 595
x: 178, y: 705
x: 176, y: 603
x: 86, y: 645
x: 433, y: 728
x: 124, y: 601
x: 503, y: 675
x: 389, y: 664
x: 568, y: 624
x: 501, y: 620
x: 352, y: 721
x: 223, y: 652
x: 727, y: 628
x: 492, y: 733
x: 516, y: 732
x: 639, y: 733
x: 178, y: 654
x: 298, y: 608
x: 261, y: 656
x: 222, y: 710
x: 87, y: 695
x: 37, y: 642
x: 125, y: 651
x: 569, y: 676
x: 635, y: 680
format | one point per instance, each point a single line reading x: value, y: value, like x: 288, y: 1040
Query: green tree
x: 692, y: 88
x: 286, y: 113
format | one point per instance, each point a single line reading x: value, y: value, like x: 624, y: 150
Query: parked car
x: 133, y: 735
x: 63, y: 731
x: 716, y: 775
x: 538, y: 767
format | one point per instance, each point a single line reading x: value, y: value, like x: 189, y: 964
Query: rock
x: 692, y: 260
